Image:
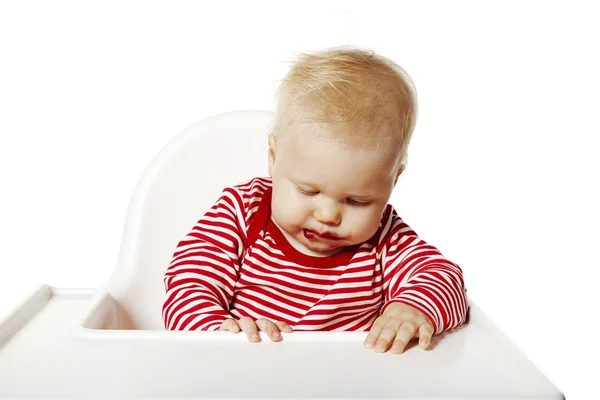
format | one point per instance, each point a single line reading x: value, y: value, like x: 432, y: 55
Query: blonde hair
x: 357, y: 92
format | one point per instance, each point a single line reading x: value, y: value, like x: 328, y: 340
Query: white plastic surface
x: 43, y: 360
x: 110, y: 343
x: 178, y: 187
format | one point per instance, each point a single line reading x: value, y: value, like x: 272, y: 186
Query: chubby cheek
x: 287, y: 209
x: 364, y: 223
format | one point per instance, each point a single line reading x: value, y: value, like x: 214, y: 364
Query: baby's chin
x: 320, y: 249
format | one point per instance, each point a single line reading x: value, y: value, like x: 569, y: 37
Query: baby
x: 316, y: 246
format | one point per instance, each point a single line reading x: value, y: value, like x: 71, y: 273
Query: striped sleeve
x: 417, y: 274
x: 200, y: 279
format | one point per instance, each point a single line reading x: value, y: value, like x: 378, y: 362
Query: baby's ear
x: 401, y: 169
x: 271, y: 153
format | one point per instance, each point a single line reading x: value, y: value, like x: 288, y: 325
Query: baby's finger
x: 425, y: 334
x: 249, y: 327
x: 270, y: 328
x: 284, y: 327
x: 230, y: 325
x: 375, y: 332
x: 387, y: 335
x: 405, y: 334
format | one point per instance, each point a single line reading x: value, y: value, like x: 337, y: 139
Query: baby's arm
x: 423, y: 290
x: 200, y: 280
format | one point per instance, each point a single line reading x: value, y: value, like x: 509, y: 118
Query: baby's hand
x: 398, y: 325
x: 251, y: 328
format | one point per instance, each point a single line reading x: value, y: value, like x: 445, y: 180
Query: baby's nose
x: 328, y: 214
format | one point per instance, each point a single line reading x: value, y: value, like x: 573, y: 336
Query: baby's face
x: 327, y: 193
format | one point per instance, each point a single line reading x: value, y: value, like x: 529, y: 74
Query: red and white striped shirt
x: 235, y: 262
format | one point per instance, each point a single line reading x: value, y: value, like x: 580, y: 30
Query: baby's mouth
x: 312, y: 235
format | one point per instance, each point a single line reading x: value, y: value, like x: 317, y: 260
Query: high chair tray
x: 46, y: 353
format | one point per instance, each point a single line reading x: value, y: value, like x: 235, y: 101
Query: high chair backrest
x: 178, y: 187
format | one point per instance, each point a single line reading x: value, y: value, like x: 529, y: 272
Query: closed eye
x: 357, y: 203
x: 306, y: 192
x: 350, y: 201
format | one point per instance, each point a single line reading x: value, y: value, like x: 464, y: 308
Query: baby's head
x: 344, y: 118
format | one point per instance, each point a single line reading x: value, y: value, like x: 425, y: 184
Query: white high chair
x: 179, y: 186
x: 111, y: 343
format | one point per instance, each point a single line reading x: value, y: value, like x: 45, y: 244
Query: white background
x: 503, y: 168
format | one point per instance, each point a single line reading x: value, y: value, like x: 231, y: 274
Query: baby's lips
x: 326, y: 235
